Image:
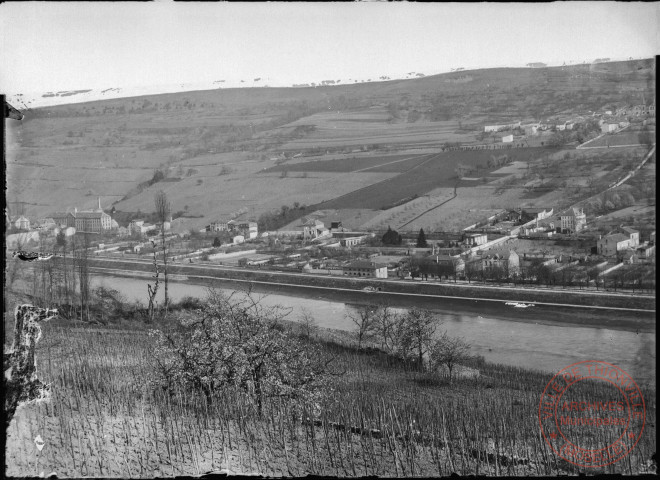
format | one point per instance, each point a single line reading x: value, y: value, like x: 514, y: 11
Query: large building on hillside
x: 89, y: 221
x: 573, y: 221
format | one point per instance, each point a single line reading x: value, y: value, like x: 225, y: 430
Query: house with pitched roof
x: 508, y: 260
x: 610, y: 245
x: 365, y: 268
x: 631, y: 233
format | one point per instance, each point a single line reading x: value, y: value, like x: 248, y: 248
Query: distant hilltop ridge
x: 62, y: 97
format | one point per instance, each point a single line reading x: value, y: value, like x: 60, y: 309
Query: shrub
x: 392, y: 237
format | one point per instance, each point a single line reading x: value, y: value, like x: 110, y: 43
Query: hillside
x: 223, y: 151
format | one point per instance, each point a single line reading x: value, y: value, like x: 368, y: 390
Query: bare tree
x: 449, y: 351
x: 152, y: 291
x: 308, y: 323
x: 364, y: 319
x: 83, y: 276
x: 385, y: 327
x: 415, y: 333
x: 163, y: 209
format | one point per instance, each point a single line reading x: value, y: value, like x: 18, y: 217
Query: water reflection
x: 539, y: 346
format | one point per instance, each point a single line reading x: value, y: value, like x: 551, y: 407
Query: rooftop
x: 90, y: 214
x: 364, y: 264
x: 536, y: 209
x: 617, y: 237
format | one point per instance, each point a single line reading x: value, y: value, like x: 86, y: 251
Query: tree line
x: 409, y: 335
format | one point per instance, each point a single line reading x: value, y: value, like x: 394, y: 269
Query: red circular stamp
x: 592, y: 414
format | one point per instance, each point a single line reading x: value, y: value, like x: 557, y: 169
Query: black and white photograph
x: 333, y: 239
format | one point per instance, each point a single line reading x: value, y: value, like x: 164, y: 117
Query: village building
x: 336, y: 226
x: 610, y: 245
x: 247, y: 229
x: 312, y: 228
x: 530, y: 258
x: 92, y: 222
x: 352, y: 241
x: 507, y: 260
x: 536, y: 213
x: 451, y: 263
x: 22, y: 223
x: 365, y: 268
x: 573, y: 221
x: 631, y: 233
x: 217, y: 226
x: 64, y: 219
x: 646, y: 251
x: 451, y: 251
x: 89, y: 221
x: 474, y: 239
x: 609, y: 127
x: 639, y: 110
x: 139, y: 227
x: 629, y: 257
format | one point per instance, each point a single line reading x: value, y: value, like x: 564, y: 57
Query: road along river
x: 532, y: 338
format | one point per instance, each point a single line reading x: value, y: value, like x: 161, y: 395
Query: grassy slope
x: 103, y: 421
x: 65, y: 156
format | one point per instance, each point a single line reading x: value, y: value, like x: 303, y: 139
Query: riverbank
x: 562, y: 297
x: 540, y: 314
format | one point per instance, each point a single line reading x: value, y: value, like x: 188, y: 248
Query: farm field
x: 218, y: 196
x: 437, y: 171
x: 376, y: 126
x: 624, y: 138
x: 351, y: 218
x: 398, y: 216
x: 390, y: 163
x: 470, y: 206
x: 62, y: 148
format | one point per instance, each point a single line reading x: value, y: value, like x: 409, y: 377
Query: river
x: 532, y: 344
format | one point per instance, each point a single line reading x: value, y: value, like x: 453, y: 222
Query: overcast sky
x: 67, y: 45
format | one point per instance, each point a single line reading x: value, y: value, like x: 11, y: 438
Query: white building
x: 609, y: 127
x: 631, y: 233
